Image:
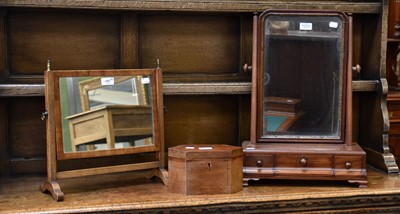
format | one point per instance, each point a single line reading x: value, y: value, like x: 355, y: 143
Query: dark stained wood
x: 74, y: 40
x: 20, y: 122
x: 129, y: 40
x: 172, y: 39
x: 254, y: 80
x: 123, y: 14
x: 394, y: 19
x: 393, y: 105
x: 205, y: 169
x: 303, y: 161
x: 27, y: 148
x: 28, y: 90
x: 4, y: 164
x: 3, y: 48
x: 26, y: 135
x: 291, y: 156
x: 205, y: 119
x: 203, y: 5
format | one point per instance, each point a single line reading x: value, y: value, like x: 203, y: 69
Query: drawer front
x: 348, y: 162
x: 309, y: 161
x: 394, y: 110
x: 394, y: 144
x: 394, y: 128
x: 253, y: 160
x: 349, y: 166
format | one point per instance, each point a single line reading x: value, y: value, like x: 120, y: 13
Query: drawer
x: 309, y: 161
x: 348, y: 162
x: 394, y: 144
x: 258, y: 161
x: 394, y: 109
x: 394, y: 128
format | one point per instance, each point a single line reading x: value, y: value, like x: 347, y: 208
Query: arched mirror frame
x: 55, y: 150
x: 296, y: 158
x: 345, y: 95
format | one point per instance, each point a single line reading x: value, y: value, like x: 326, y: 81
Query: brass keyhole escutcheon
x: 303, y: 162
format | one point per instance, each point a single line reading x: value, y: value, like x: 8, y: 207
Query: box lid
x: 205, y: 151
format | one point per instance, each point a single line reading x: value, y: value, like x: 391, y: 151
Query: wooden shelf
x: 204, y: 5
x: 128, y: 193
x: 33, y: 90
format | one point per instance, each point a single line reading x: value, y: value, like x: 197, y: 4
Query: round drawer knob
x: 347, y: 165
x: 303, y: 162
x: 259, y: 163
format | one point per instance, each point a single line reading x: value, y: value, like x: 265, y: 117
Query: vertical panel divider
x: 3, y: 47
x: 129, y: 40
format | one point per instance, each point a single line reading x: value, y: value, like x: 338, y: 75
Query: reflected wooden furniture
x: 281, y: 113
x: 94, y: 83
x: 205, y: 169
x: 109, y: 122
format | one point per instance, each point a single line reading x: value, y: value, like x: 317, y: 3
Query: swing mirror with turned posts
x: 103, y: 113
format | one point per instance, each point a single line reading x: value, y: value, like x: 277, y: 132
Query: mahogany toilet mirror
x: 102, y: 113
x: 301, y: 116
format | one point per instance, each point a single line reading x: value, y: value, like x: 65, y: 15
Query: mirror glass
x: 106, y: 112
x: 302, y: 76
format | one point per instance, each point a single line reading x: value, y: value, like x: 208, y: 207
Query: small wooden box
x: 205, y: 169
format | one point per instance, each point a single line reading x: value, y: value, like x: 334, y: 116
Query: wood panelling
x: 26, y: 139
x: 190, y: 44
x: 201, y: 120
x: 2, y: 45
x: 3, y: 138
x: 70, y: 40
x: 350, y: 6
x: 129, y: 40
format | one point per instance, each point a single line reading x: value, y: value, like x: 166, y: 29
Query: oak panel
x: 190, y: 44
x: 70, y: 40
x: 201, y: 120
x: 26, y: 131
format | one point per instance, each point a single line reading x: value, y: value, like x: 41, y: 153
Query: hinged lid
x: 205, y: 151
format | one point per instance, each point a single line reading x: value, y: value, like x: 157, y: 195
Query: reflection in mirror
x: 302, y: 83
x: 101, y: 113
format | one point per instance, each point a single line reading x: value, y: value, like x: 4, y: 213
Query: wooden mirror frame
x: 345, y: 96
x: 55, y: 151
x: 302, y: 159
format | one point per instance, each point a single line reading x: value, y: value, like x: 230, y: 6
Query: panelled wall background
x: 190, y: 48
x: 207, y: 44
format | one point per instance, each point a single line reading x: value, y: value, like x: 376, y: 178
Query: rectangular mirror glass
x: 105, y: 113
x: 302, y: 81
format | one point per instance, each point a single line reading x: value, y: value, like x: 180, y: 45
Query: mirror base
x: 54, y: 189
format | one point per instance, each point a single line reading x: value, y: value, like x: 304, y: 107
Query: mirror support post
x: 51, y: 184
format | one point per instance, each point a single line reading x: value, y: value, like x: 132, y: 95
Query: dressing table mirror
x: 103, y: 113
x: 301, y: 119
